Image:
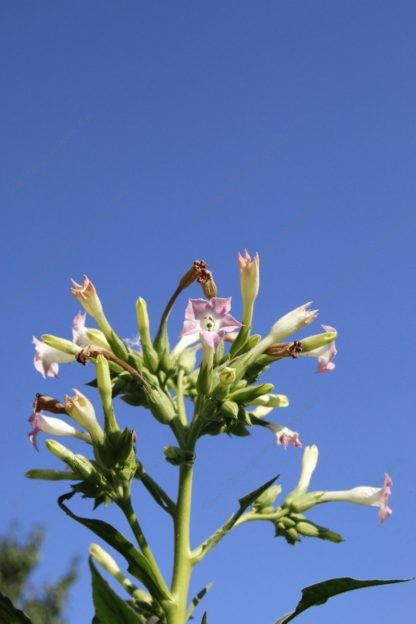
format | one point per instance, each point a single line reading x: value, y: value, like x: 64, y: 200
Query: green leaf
x: 204, y: 618
x: 109, y: 607
x: 249, y: 499
x: 197, y: 599
x: 319, y: 593
x: 138, y: 565
x: 9, y: 613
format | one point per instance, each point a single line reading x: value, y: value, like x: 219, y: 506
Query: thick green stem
x: 182, y: 566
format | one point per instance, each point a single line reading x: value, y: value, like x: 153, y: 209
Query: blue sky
x: 140, y: 136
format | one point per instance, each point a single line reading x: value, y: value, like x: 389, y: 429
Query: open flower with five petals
x: 211, y: 319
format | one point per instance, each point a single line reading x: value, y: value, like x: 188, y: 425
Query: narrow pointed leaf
x: 9, y: 613
x: 319, y: 593
x: 249, y: 499
x: 204, y: 618
x: 138, y: 565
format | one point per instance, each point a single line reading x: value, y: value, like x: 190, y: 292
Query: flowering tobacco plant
x: 214, y: 369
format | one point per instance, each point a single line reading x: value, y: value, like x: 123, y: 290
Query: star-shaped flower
x: 211, y: 319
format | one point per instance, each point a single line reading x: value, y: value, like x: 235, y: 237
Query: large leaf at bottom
x: 319, y: 593
x: 9, y: 613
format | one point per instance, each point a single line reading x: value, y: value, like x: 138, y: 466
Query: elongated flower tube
x: 211, y: 319
x: 82, y: 411
x: 47, y: 359
x: 53, y: 426
x: 365, y: 495
x: 308, y: 465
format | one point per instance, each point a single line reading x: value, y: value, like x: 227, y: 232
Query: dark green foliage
x: 18, y: 558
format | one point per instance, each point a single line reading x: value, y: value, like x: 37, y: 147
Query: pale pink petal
x: 286, y: 436
x: 79, y: 335
x: 384, y: 510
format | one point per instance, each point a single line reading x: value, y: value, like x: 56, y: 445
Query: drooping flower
x: 53, y: 426
x: 286, y: 437
x: 211, y: 319
x: 86, y: 295
x: 365, y: 495
x: 47, y: 359
x: 324, y: 354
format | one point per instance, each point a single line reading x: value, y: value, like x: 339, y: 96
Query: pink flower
x: 324, y: 354
x: 53, y: 426
x: 47, y: 359
x: 286, y: 436
x: 384, y: 510
x: 211, y: 319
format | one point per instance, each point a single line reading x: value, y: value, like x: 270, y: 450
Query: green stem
x: 127, y: 508
x: 234, y: 521
x: 180, y: 398
x: 182, y: 566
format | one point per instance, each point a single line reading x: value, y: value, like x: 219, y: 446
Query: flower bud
x: 271, y: 400
x: 250, y: 393
x: 230, y: 409
x: 150, y: 356
x: 227, y: 376
x: 62, y: 345
x: 267, y: 498
x: 104, y: 559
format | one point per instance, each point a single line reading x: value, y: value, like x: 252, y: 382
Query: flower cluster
x: 215, y: 369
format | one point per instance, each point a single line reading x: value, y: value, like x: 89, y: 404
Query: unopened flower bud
x: 271, y: 400
x: 227, y: 376
x: 250, y: 393
x: 150, y: 356
x: 104, y: 559
x: 267, y: 498
x: 230, y: 409
x: 62, y: 345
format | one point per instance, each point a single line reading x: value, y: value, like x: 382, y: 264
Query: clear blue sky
x: 139, y: 136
